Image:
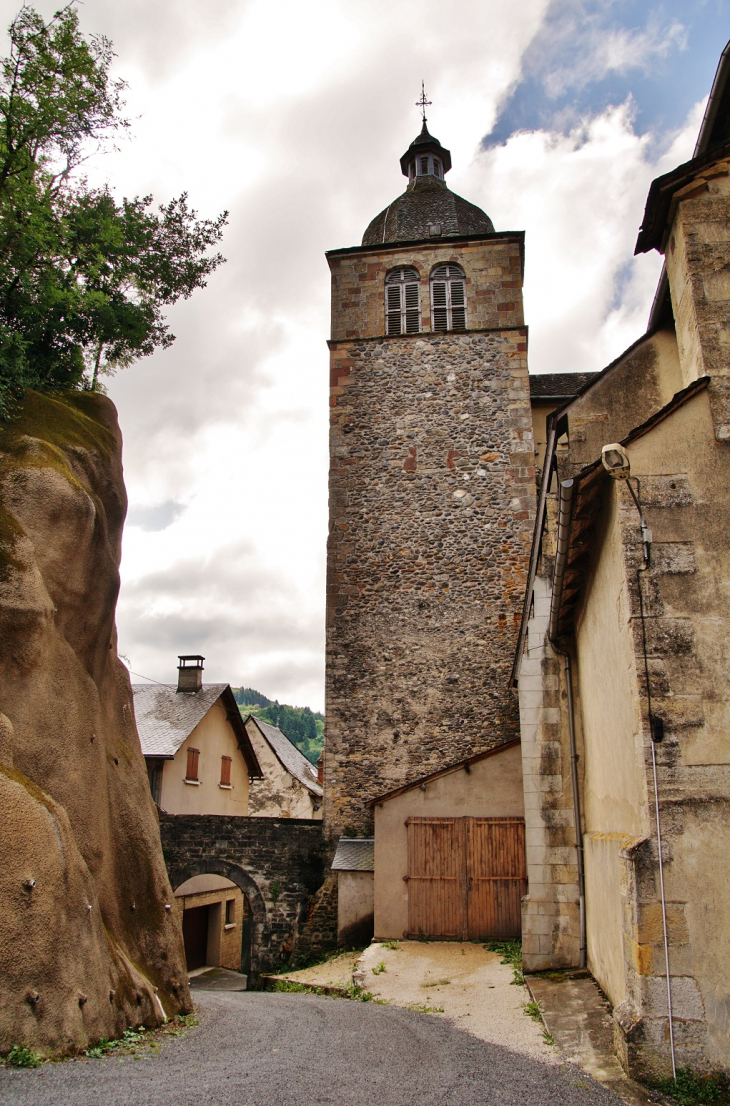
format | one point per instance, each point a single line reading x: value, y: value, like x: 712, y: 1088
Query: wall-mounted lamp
x: 615, y: 460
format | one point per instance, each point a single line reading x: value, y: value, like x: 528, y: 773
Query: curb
x: 311, y: 988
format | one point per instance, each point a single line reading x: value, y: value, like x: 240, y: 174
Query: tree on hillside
x: 84, y: 278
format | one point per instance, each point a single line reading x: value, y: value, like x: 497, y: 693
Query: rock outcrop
x: 88, y: 943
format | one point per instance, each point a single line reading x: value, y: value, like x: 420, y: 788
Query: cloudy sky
x: 293, y: 116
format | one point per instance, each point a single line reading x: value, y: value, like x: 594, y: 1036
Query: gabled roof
x: 166, y: 717
x: 354, y: 854
x: 552, y: 386
x: 288, y: 755
x: 466, y: 763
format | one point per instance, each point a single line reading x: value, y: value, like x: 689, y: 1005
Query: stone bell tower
x: 432, y: 491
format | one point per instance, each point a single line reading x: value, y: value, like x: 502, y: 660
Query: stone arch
x: 260, y: 926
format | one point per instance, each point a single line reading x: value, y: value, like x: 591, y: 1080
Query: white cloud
x: 580, y: 197
x: 293, y: 117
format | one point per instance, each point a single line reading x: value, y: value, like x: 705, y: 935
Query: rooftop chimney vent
x: 190, y: 672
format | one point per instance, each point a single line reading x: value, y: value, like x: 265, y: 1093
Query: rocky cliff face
x: 88, y: 945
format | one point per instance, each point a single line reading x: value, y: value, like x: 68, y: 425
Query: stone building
x: 288, y: 786
x: 432, y: 492
x: 622, y: 664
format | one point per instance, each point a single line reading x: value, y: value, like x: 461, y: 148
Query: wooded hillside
x: 303, y: 727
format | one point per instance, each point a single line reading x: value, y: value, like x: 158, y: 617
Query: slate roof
x: 354, y: 854
x: 166, y: 717
x: 293, y: 760
x: 558, y: 385
x: 427, y: 201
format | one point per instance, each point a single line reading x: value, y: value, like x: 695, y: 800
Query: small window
x: 424, y: 165
x: 436, y: 167
x: 402, y: 302
x: 154, y: 775
x: 230, y: 912
x: 448, y: 298
x: 191, y: 772
x: 226, y: 771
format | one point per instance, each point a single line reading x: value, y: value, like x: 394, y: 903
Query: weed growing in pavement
x: 437, y: 983
x: 533, y: 1010
x: 392, y: 945
x: 511, y: 952
x: 141, y: 1039
x: 351, y: 991
x: 288, y: 986
x: 21, y: 1057
x: 693, y: 1089
x: 379, y: 968
x: 423, y: 1008
x: 547, y: 1037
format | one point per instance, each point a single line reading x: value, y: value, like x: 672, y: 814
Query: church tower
x: 432, y: 491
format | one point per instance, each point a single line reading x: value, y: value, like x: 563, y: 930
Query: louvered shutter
x: 458, y: 305
x: 402, y: 302
x: 439, y: 305
x: 448, y: 298
x: 226, y: 771
x: 412, y: 308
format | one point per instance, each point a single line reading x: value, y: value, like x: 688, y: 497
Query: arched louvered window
x: 402, y: 302
x: 448, y: 298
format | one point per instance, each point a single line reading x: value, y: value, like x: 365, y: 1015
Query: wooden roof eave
x: 233, y: 715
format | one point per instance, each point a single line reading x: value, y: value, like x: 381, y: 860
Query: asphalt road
x: 254, y: 1049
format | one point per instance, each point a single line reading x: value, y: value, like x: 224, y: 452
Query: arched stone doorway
x: 207, y: 940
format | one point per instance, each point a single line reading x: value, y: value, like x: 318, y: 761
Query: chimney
x: 190, y: 673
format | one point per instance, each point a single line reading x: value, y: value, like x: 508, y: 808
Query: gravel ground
x: 254, y: 1049
x: 467, y: 982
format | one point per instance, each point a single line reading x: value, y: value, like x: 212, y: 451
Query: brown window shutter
x: 225, y: 770
x: 191, y: 772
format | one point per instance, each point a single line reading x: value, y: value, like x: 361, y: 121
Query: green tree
x: 84, y: 278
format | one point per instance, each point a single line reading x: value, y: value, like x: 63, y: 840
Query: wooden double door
x: 466, y: 877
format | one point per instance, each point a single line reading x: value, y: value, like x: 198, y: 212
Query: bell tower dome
x: 427, y: 208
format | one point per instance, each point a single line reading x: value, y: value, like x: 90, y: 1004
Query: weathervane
x: 423, y: 103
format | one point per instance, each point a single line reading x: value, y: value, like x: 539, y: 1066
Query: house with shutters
x: 200, y: 761
x: 199, y: 757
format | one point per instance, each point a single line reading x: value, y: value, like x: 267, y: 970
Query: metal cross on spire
x: 423, y: 103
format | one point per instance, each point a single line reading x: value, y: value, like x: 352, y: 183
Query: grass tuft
x: 22, y: 1057
x: 379, y: 968
x: 693, y: 1089
x: 511, y: 952
x: 533, y: 1010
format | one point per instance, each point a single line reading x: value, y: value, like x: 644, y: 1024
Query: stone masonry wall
x: 699, y: 280
x: 551, y: 910
x: 277, y: 862
x: 492, y: 268
x: 432, y: 503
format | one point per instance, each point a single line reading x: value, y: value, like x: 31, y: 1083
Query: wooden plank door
x: 497, y: 876
x: 436, y: 877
